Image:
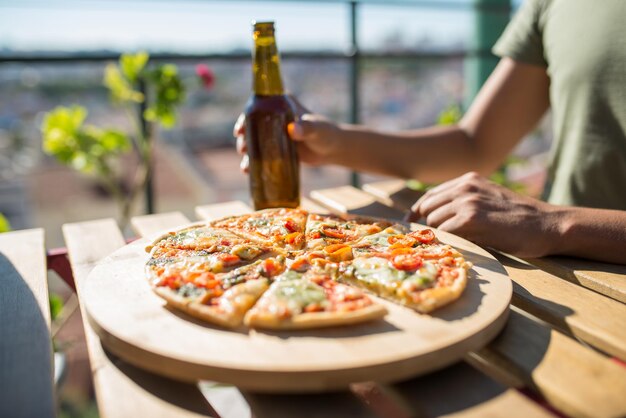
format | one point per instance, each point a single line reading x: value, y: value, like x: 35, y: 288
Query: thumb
x: 297, y: 131
x: 303, y: 128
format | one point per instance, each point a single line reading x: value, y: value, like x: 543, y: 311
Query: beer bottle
x: 274, y: 169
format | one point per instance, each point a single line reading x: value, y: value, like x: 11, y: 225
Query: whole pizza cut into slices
x: 288, y: 269
x: 281, y: 227
x: 311, y: 300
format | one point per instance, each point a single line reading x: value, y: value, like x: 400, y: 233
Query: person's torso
x: 585, y: 47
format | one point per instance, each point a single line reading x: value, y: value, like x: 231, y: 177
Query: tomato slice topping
x: 316, y: 234
x: 300, y: 264
x: 313, y: 256
x: 425, y: 236
x: 333, y: 232
x: 407, y: 262
x: 339, y: 252
x: 291, y: 225
x: 400, y: 241
x: 173, y: 281
x: 271, y: 267
x: 205, y: 279
x: 295, y: 238
x: 228, y: 259
x: 401, y: 250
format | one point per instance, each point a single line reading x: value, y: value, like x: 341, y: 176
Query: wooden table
x: 562, y: 351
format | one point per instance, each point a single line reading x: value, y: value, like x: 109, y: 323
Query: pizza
x: 290, y: 269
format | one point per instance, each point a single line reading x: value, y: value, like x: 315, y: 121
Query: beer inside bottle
x: 274, y: 168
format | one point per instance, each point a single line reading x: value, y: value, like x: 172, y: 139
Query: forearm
x: 598, y: 234
x: 508, y: 106
x: 431, y: 155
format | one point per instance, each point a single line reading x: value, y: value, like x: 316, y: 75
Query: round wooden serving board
x: 136, y: 325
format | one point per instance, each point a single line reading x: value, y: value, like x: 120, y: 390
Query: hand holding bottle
x: 315, y: 135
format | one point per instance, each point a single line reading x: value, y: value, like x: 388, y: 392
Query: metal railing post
x: 490, y: 19
x: 354, y: 78
x: 147, y: 135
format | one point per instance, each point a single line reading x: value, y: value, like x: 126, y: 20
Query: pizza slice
x: 312, y: 299
x: 325, y: 230
x: 423, y: 278
x: 222, y: 298
x: 283, y: 227
x: 219, y: 249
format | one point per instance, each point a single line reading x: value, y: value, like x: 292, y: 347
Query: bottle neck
x: 266, y: 66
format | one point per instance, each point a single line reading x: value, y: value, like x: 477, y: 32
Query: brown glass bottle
x: 274, y: 168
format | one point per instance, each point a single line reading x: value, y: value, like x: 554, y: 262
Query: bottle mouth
x: 263, y: 28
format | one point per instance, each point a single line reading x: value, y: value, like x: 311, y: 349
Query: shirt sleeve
x: 522, y: 39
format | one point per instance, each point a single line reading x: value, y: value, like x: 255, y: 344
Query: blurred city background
x: 388, y: 64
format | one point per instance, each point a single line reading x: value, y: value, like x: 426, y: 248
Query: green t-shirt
x: 582, y: 43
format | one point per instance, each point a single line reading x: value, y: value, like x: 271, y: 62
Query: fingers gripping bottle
x: 274, y: 167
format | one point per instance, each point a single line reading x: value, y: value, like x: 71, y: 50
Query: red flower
x: 206, y: 75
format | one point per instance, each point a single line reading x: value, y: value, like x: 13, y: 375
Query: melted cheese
x: 376, y: 271
x: 380, y: 240
x: 292, y: 296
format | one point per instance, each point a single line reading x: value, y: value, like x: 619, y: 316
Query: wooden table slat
x: 335, y: 404
x: 574, y: 310
x: 348, y: 199
x: 312, y: 206
x: 607, y: 279
x: 151, y: 224
x: 220, y: 210
x: 26, y: 370
x: 530, y: 354
x: 462, y: 391
x: 393, y: 193
x: 121, y: 389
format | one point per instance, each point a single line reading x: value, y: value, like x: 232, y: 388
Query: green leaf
x: 169, y: 94
x: 60, y: 129
x: 56, y: 305
x: 115, y: 141
x: 119, y: 87
x: 133, y: 64
x: 169, y: 71
x: 5, y: 226
x: 450, y: 115
x: 84, y: 148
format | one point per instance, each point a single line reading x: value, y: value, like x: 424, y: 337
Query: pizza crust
x: 259, y: 319
x: 229, y: 316
x: 437, y: 297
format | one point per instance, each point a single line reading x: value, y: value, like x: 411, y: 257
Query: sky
x: 197, y: 26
